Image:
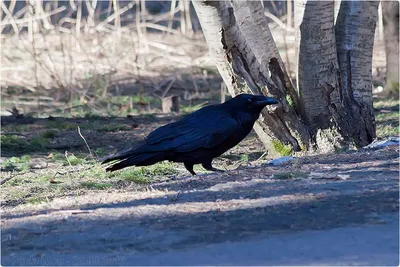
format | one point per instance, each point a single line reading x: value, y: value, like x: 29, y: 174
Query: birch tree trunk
x: 390, y: 10
x: 333, y: 106
x: 355, y: 30
x: 247, y: 58
x: 317, y: 71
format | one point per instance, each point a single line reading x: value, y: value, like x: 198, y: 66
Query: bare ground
x: 311, y: 193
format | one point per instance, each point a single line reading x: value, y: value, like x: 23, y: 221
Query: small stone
x: 38, y: 164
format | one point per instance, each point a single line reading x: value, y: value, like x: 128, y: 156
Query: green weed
x: 282, y: 149
x: 74, y: 160
x: 244, y: 157
x: 95, y: 185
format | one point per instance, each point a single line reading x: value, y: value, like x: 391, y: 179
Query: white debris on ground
x: 390, y: 141
x: 281, y: 160
x: 328, y: 176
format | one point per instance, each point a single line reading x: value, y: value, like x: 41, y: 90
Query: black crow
x: 199, y: 137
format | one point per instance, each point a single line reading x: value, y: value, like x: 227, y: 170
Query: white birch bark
x: 317, y: 61
x: 355, y: 30
x: 239, y: 38
x: 390, y: 10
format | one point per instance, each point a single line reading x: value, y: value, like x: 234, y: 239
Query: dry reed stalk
x: 274, y: 7
x: 161, y: 17
x: 27, y: 20
x: 141, y: 36
x: 182, y: 17
x: 160, y: 27
x: 40, y: 14
x: 278, y: 22
x: 9, y: 15
x: 168, y: 88
x: 188, y: 19
x: 113, y: 16
x: 380, y: 24
x: 78, y: 21
x: 171, y: 15
x: 72, y: 4
x: 143, y: 18
x: 289, y: 14
x: 66, y: 18
x: 194, y: 83
x: 117, y: 20
x: 91, y: 7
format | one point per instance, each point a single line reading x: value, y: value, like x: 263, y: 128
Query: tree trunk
x: 317, y: 71
x: 245, y: 59
x: 355, y: 30
x: 390, y: 11
x: 326, y: 113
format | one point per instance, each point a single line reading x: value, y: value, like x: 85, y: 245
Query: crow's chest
x: 233, y: 140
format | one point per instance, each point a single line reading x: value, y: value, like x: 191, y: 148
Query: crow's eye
x: 249, y: 100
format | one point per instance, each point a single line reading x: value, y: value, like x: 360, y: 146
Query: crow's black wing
x: 206, y: 128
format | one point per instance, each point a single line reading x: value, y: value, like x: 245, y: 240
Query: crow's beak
x: 266, y: 101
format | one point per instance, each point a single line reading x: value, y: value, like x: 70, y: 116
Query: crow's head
x: 248, y: 102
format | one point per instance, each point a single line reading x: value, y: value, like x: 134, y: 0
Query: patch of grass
x: 144, y: 99
x: 11, y: 143
x: 387, y: 117
x: 136, y: 175
x: 244, y: 157
x: 148, y: 115
x: 100, y: 152
x: 191, y: 108
x: 49, y: 134
x: 282, y: 149
x: 44, y: 179
x: 74, y: 160
x: 36, y: 200
x: 92, y: 116
x: 62, y: 125
x: 19, y: 128
x: 16, y: 181
x: 23, y: 159
x: 386, y: 103
x: 387, y: 130
x: 96, y: 185
x: 18, y: 195
x: 114, y: 128
x: 289, y: 175
x: 142, y: 175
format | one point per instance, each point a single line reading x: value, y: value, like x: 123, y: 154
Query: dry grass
x: 56, y: 57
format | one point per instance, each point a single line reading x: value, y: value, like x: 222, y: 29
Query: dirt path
x: 338, y: 209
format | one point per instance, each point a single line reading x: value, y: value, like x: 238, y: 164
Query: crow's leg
x: 189, y: 167
x: 208, y: 166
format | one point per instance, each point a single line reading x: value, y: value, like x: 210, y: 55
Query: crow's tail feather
x: 134, y: 158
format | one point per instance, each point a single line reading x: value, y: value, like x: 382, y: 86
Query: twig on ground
x: 80, y: 134
x: 263, y: 154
